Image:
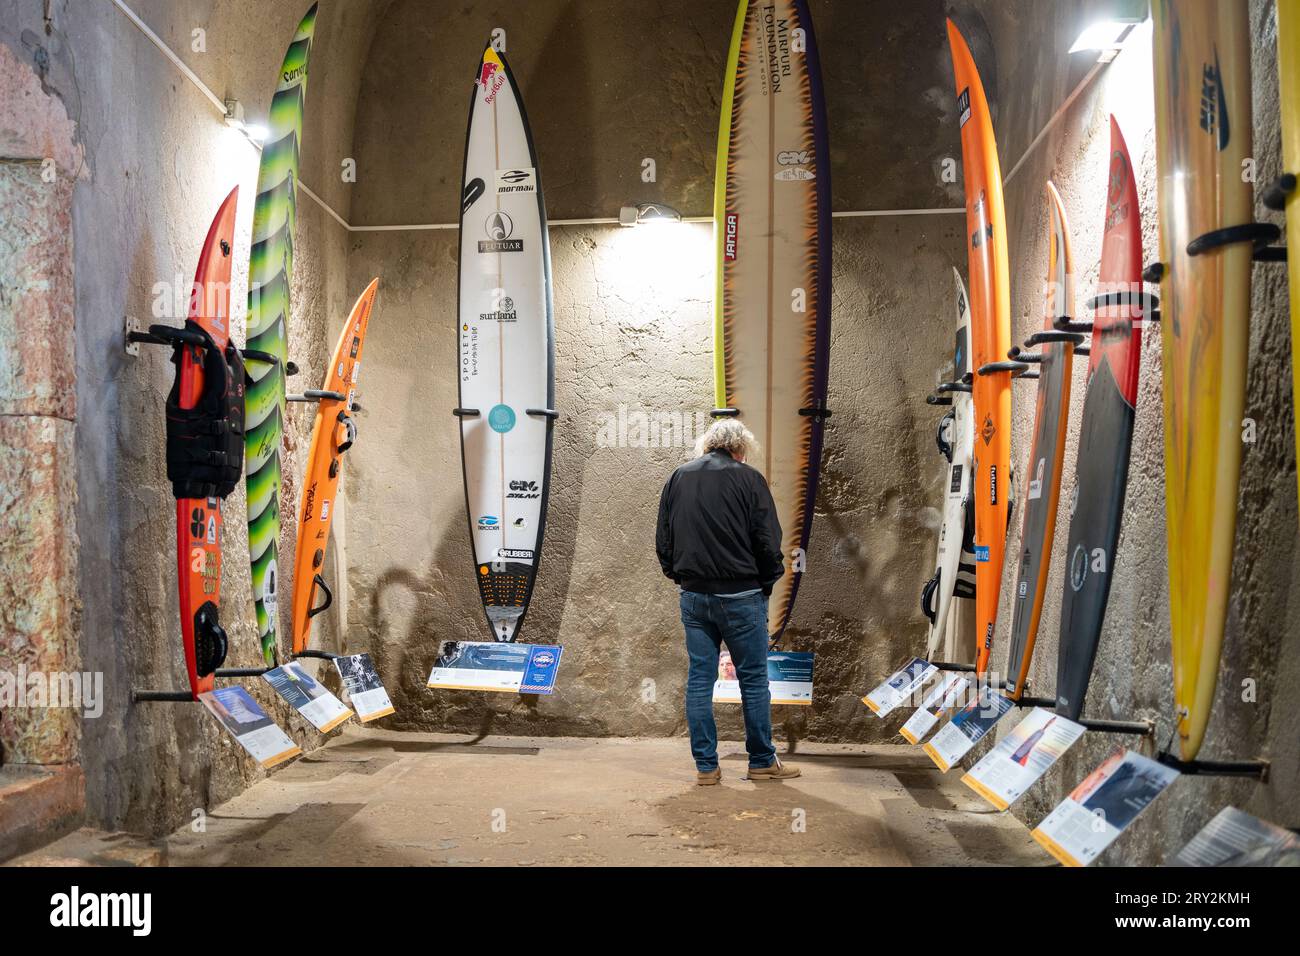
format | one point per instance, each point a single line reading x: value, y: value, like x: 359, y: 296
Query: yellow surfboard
x: 1202, y: 85
x: 1288, y: 68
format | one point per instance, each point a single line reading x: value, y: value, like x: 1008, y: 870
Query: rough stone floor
x: 378, y: 797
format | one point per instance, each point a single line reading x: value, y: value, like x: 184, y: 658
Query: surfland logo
x: 76, y: 909
x: 512, y: 182
x: 500, y: 229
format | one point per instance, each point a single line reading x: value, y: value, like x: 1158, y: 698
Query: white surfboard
x: 949, y: 578
x: 507, y: 347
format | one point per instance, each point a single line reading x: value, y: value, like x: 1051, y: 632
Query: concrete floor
x: 372, y: 797
x: 377, y: 797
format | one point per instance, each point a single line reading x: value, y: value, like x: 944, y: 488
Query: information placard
x: 365, y: 690
x: 900, y: 686
x: 1100, y: 808
x: 308, y: 696
x: 967, y: 727
x: 1235, y: 838
x: 496, y: 667
x: 245, y: 720
x: 944, y: 696
x: 1021, y: 757
x: 789, y: 677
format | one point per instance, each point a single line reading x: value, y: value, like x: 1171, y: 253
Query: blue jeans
x: 740, y: 623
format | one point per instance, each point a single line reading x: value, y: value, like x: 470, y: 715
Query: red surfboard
x: 1105, y: 435
x: 198, y: 520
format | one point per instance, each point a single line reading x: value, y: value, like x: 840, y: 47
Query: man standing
x: 719, y: 539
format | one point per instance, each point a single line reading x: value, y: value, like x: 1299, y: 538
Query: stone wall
x: 146, y: 163
x: 1133, y: 675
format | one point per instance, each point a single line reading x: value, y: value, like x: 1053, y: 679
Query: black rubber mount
x: 1275, y: 195
x: 316, y: 395
x: 167, y: 335
x: 1257, y: 769
x: 1082, y: 350
x: 725, y: 413
x: 944, y: 387
x: 1270, y: 254
x: 318, y: 655
x: 1256, y: 233
x: 550, y: 413
x: 266, y: 358
x: 466, y: 412
x: 1015, y: 368
x: 1020, y: 355
x: 938, y: 400
x: 241, y: 671
x: 1144, y: 300
x: 1154, y: 272
x: 819, y: 412
x: 154, y: 696
x: 1065, y: 323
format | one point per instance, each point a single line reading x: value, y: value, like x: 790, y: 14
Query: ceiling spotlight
x: 1106, y: 35
x: 648, y: 213
x: 235, y: 120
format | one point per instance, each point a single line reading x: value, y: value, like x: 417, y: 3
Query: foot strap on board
x: 319, y: 582
x: 927, y: 596
x: 210, y: 642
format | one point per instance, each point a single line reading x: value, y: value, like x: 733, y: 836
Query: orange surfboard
x: 331, y: 436
x: 990, y: 306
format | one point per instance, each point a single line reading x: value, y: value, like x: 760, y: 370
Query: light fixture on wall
x: 648, y: 213
x: 1107, y: 33
x: 235, y: 120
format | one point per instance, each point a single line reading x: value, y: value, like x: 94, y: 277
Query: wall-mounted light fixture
x: 235, y: 120
x: 648, y: 213
x: 1107, y: 33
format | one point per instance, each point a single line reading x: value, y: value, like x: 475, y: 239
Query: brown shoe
x: 778, y: 771
x: 709, y: 778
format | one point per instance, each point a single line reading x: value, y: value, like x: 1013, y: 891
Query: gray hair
x: 729, y: 435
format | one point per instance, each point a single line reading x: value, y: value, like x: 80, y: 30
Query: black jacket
x: 718, y: 532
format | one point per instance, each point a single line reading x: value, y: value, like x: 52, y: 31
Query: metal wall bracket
x: 1258, y: 769
x: 157, y: 696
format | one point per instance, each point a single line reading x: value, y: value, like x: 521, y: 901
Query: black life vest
x: 205, y: 444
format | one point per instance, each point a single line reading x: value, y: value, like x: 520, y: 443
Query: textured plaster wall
x: 157, y: 162
x: 633, y: 312
x: 1133, y: 674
